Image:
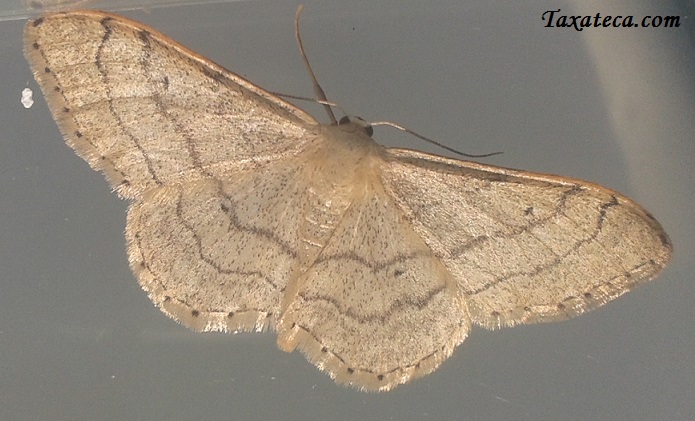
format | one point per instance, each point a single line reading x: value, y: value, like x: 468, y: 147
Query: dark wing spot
x: 665, y: 240
x: 195, y: 313
x: 144, y: 36
x: 213, y: 74
x: 350, y: 370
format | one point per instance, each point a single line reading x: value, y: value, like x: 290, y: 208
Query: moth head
x: 358, y: 122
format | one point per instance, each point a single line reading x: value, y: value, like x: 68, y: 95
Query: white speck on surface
x: 27, y: 97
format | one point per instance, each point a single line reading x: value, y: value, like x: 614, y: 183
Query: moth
x: 247, y: 214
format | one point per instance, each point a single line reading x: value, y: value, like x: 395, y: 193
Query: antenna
x: 320, y: 95
x: 321, y: 98
x: 434, y: 142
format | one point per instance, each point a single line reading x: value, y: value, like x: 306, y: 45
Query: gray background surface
x: 80, y: 340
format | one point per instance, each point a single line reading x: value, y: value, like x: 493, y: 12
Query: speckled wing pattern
x: 149, y: 112
x: 376, y: 307
x: 157, y: 118
x: 249, y: 215
x: 526, y: 247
